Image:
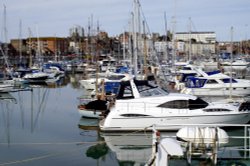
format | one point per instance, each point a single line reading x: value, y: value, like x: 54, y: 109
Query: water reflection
x: 130, y: 149
x: 136, y: 148
x: 30, y: 108
x: 6, y: 100
x: 97, y: 151
x: 88, y: 124
x: 45, y: 123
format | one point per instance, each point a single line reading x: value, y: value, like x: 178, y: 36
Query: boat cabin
x: 198, y: 82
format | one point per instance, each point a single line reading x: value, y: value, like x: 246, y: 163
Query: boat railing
x: 238, y: 146
x: 205, y: 140
x: 174, y: 108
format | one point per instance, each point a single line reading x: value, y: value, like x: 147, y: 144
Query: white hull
x: 169, y: 123
x: 169, y: 112
x: 217, y: 85
x: 38, y: 77
x: 89, y: 113
x: 237, y: 65
x: 216, y: 91
x: 142, y: 114
x: 88, y: 84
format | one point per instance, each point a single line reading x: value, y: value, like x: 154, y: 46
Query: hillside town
x: 85, y: 46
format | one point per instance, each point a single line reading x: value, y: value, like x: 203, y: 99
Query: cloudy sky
x: 56, y: 17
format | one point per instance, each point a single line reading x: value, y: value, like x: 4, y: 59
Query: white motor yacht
x: 36, y: 76
x: 195, y: 81
x: 140, y: 105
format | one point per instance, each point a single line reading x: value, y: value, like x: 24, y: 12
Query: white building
x: 203, y: 37
x: 198, y: 43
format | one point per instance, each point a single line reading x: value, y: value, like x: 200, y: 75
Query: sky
x: 45, y: 18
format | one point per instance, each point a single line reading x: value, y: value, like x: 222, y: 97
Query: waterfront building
x: 202, y: 37
x: 197, y: 43
x: 46, y: 46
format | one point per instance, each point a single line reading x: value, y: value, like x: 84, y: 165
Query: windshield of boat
x: 144, y: 88
x: 228, y: 80
x: 147, y: 92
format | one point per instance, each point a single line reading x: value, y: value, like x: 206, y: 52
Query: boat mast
x: 30, y: 48
x: 231, y: 61
x: 145, y: 51
x: 4, y: 51
x: 130, y: 46
x: 55, y: 48
x: 20, y: 42
x: 135, y: 44
x: 5, y: 32
x: 38, y: 48
x: 173, y: 38
x: 97, y: 63
x: 124, y: 46
x: 166, y: 31
x: 190, y: 41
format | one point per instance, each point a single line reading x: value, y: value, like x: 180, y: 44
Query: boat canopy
x: 145, y: 89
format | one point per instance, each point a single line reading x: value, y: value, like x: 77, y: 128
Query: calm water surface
x: 43, y: 127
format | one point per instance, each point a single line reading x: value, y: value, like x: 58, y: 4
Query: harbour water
x: 42, y: 127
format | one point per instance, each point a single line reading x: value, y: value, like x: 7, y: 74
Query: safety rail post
x: 245, y: 141
x: 248, y: 142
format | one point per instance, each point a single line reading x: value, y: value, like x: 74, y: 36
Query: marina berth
x: 140, y: 105
x: 216, y: 86
x: 193, y: 80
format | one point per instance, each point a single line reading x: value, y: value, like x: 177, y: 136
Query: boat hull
x: 168, y: 123
x: 217, y: 91
x: 90, y: 113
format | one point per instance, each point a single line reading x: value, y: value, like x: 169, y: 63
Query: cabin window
x: 228, y: 80
x: 197, y: 103
x: 194, y: 82
x: 152, y: 92
x: 186, y: 68
x: 245, y: 106
x: 175, y: 104
x: 216, y: 110
x: 134, y: 115
x: 212, y: 82
x: 185, y: 104
x: 114, y: 77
